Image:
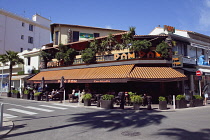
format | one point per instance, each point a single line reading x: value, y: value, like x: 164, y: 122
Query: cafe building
x: 143, y: 72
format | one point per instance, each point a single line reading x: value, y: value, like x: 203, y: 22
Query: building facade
x: 18, y: 33
x: 194, y: 54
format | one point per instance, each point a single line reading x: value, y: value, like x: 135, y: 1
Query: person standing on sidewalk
x: 205, y: 93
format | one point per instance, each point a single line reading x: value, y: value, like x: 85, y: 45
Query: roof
x: 54, y: 24
x: 88, y: 40
x: 157, y: 74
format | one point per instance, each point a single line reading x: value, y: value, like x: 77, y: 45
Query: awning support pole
x: 199, y: 87
x: 174, y: 102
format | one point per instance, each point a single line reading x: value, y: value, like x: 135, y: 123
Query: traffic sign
x: 199, y: 73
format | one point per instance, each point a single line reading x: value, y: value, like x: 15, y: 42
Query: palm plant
x: 13, y: 59
x: 140, y: 45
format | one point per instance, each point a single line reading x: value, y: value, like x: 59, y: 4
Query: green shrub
x: 87, y: 96
x: 180, y: 97
x: 35, y: 71
x: 26, y: 91
x: 131, y: 93
x: 37, y: 93
x: 136, y: 99
x: 107, y: 97
x: 15, y: 91
x: 161, y: 98
x: 20, y: 72
x: 198, y: 97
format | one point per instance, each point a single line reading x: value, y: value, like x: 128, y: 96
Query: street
x: 49, y: 121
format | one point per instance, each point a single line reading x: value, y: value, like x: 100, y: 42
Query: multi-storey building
x: 18, y: 33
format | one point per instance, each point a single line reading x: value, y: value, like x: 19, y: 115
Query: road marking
x: 9, y: 116
x: 65, y: 105
x: 62, y: 108
x: 40, y: 109
x: 22, y: 111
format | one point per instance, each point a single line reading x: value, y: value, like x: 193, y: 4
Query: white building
x: 18, y: 33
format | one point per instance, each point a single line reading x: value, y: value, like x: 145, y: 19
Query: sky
x: 145, y: 15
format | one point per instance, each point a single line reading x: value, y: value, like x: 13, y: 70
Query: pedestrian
x: 205, y: 93
x: 144, y: 100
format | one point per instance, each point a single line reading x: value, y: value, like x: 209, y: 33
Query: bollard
x: 174, y: 102
x: 1, y: 114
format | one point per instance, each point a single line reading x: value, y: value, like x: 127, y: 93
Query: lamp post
x: 2, y: 79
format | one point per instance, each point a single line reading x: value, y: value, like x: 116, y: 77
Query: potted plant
x: 180, y: 101
x: 137, y: 101
x: 9, y: 94
x: 87, y: 99
x: 198, y: 100
x: 162, y: 103
x: 15, y: 94
x: 37, y: 96
x: 107, y: 101
x: 26, y: 94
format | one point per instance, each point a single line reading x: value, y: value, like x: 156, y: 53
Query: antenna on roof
x: 158, y: 25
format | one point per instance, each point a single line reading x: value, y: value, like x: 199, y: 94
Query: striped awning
x: 74, y: 75
x: 156, y: 74
x: 111, y: 74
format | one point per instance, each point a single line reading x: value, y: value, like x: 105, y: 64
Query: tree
x: 13, y: 59
x: 162, y: 49
x: 139, y: 45
x: 89, y: 56
x: 46, y: 57
x: 66, y: 54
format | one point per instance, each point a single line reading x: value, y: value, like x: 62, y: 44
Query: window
x: 75, y: 36
x: 29, y: 61
x: 22, y: 37
x: 30, y: 39
x: 31, y: 27
x: 21, y: 49
x: 56, y: 38
x: 23, y: 24
x: 96, y: 35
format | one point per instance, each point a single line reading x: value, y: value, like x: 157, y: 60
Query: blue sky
x: 193, y: 15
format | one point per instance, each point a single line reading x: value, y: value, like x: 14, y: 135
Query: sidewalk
x: 6, y: 127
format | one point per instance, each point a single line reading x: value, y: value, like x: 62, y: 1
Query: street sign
x: 199, y: 73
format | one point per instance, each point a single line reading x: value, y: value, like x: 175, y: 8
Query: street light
x: 2, y: 79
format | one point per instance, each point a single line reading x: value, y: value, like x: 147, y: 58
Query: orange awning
x: 156, y: 74
x: 109, y: 72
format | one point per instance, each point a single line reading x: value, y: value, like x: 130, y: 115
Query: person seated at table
x: 56, y: 94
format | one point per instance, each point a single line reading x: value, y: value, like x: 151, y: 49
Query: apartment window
x: 21, y: 49
x: 31, y: 27
x: 22, y: 37
x: 30, y: 40
x: 96, y: 35
x: 29, y: 61
x: 75, y: 36
x: 23, y: 24
x: 56, y: 38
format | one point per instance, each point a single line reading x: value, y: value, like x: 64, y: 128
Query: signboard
x: 85, y: 35
x: 177, y: 61
x: 170, y: 29
x: 199, y: 73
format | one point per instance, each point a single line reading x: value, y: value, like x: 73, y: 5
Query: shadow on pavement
x: 113, y: 120
x: 182, y: 134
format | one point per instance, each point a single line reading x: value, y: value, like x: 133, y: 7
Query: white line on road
x: 40, y: 109
x: 9, y: 116
x: 62, y: 108
x: 65, y: 105
x: 22, y: 111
